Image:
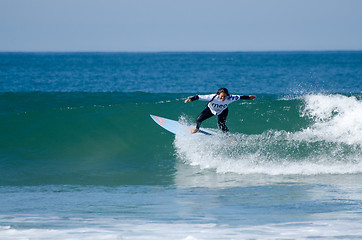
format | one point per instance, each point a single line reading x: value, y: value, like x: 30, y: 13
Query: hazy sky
x: 180, y: 25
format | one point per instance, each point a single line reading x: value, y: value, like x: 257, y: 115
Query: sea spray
x: 337, y: 118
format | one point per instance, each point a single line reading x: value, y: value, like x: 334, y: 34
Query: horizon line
x: 177, y: 51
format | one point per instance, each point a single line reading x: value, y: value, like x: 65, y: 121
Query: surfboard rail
x: 178, y: 128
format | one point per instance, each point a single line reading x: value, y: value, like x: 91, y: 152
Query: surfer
x: 218, y: 105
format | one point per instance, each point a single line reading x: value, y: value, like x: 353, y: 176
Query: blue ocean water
x: 80, y: 158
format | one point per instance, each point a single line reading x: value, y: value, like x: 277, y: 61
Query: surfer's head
x: 222, y: 93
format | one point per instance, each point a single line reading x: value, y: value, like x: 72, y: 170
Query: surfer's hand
x: 251, y: 97
x: 188, y: 100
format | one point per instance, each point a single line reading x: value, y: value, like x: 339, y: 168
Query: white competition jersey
x: 216, y: 105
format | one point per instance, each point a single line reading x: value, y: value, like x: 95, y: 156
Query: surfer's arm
x: 191, y: 99
x: 249, y: 97
x: 201, y: 98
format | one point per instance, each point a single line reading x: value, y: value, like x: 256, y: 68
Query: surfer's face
x: 222, y: 96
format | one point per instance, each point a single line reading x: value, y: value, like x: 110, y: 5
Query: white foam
x: 331, y: 145
x: 337, y: 119
x: 135, y: 230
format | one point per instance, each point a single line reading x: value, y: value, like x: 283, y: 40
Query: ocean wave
x: 109, y: 138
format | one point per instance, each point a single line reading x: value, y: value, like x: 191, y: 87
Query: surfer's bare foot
x: 194, y: 130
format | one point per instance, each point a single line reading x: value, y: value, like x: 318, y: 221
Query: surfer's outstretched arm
x: 191, y: 99
x: 250, y: 97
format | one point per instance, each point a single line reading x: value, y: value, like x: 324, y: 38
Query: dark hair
x: 222, y: 90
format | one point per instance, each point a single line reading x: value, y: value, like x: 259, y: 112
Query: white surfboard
x: 178, y: 128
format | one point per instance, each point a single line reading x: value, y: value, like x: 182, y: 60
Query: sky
x: 180, y: 25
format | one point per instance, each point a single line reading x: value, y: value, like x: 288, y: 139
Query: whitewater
x: 331, y: 145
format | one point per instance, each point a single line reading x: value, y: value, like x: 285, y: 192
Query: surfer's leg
x: 222, y: 120
x: 203, y: 116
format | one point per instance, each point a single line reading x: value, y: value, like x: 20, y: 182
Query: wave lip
x: 337, y: 118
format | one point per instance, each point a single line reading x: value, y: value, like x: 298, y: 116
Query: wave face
x: 109, y: 138
x: 82, y: 138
